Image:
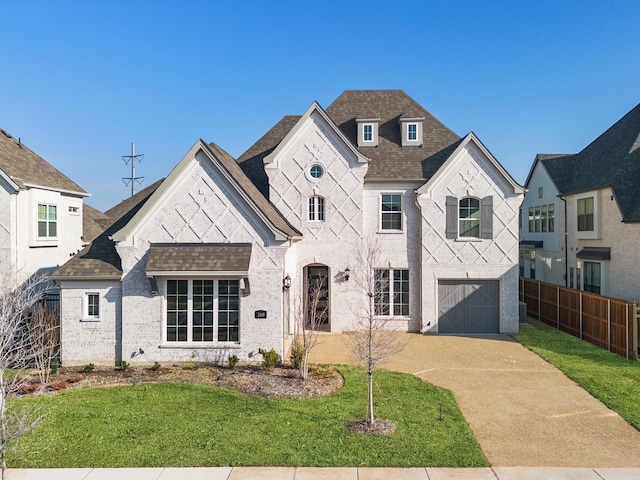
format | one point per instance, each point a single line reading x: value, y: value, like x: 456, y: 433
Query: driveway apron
x: 522, y: 410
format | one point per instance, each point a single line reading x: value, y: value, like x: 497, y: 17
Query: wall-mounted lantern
x: 347, y: 273
x: 286, y: 283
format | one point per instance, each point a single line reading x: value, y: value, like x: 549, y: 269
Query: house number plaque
x: 260, y: 314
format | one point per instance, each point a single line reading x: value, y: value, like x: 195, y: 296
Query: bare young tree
x: 17, y: 354
x: 372, y: 340
x: 44, y: 334
x: 311, y: 316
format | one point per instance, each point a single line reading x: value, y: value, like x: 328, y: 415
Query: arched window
x: 316, y: 209
x: 469, y: 217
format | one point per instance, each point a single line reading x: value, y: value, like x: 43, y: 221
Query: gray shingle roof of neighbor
x: 612, y: 159
x: 199, y: 257
x: 100, y: 259
x: 24, y: 166
x: 389, y: 160
x: 93, y: 223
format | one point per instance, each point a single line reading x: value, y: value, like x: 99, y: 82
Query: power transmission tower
x: 132, y: 179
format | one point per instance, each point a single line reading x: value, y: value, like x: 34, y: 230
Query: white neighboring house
x: 40, y: 212
x: 215, y: 259
x: 593, y: 197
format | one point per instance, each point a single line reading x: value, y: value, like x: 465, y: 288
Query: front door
x: 317, y: 298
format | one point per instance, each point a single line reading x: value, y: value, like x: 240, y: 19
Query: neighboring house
x: 217, y: 258
x: 593, y: 197
x: 40, y: 212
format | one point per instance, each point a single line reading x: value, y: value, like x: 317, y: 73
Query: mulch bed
x: 280, y: 382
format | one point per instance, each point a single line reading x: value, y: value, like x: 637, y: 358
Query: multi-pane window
x: 531, y: 219
x: 203, y: 310
x: 592, y: 277
x: 316, y: 209
x: 93, y: 305
x: 543, y: 216
x: 391, y: 215
x: 585, y: 214
x: 47, y: 220
x: 551, y: 217
x: 391, y: 292
x: 316, y: 171
x: 538, y: 220
x: 469, y: 216
x: 412, y: 131
x: 367, y: 133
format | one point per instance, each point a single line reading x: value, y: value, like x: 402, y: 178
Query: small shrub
x: 55, y: 386
x: 297, y: 356
x: 55, y: 363
x: 88, y: 368
x: 124, y: 365
x: 156, y: 367
x: 270, y: 358
x: 233, y: 361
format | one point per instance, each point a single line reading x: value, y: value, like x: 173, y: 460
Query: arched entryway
x: 317, y: 305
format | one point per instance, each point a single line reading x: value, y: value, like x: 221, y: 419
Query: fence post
x: 609, y: 324
x: 539, y: 316
x: 557, y: 308
x: 581, y: 315
x: 634, y: 332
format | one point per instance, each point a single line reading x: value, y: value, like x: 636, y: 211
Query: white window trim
x: 479, y: 220
x: 391, y: 293
x: 315, y: 204
x: 73, y: 210
x: 409, y: 125
x: 86, y: 317
x: 588, y: 234
x: 190, y: 343
x: 47, y: 238
x: 402, y: 219
x: 364, y: 129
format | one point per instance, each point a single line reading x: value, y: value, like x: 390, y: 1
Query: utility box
x: 523, y: 312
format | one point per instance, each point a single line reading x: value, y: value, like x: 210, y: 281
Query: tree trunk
x: 372, y: 419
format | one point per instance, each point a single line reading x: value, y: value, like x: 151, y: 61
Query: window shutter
x: 452, y: 217
x: 486, y: 217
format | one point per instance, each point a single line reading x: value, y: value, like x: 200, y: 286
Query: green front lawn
x: 155, y: 425
x: 612, y: 379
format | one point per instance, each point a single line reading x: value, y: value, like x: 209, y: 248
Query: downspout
x: 566, y: 254
x: 420, y: 312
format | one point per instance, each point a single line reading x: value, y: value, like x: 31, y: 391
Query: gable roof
x: 611, y: 160
x: 27, y: 169
x: 93, y: 223
x: 389, y: 160
x: 100, y: 260
x: 234, y: 174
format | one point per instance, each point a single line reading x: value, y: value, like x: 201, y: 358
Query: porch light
x: 347, y: 272
x: 286, y: 282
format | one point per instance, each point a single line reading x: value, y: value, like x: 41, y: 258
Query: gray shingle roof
x: 23, y: 165
x: 612, y: 159
x: 93, y: 223
x: 199, y: 257
x: 100, y: 259
x: 389, y: 160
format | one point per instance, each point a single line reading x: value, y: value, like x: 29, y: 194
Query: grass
x: 610, y: 378
x: 154, y: 425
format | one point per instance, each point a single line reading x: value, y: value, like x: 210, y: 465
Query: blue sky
x: 80, y: 81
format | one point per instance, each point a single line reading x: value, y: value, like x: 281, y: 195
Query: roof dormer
x: 368, y: 122
x: 411, y: 128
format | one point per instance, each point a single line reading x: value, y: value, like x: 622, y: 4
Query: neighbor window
x: 391, y: 292
x: 202, y: 310
x: 412, y: 131
x: 316, y: 209
x: 538, y: 221
x: 469, y: 217
x: 367, y: 133
x: 47, y: 220
x: 543, y: 215
x: 531, y: 219
x: 93, y: 305
x: 539, y: 192
x: 592, y: 277
x: 391, y: 214
x: 585, y: 214
x: 551, y: 217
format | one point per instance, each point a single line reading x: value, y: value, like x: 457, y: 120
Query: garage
x: 468, y: 306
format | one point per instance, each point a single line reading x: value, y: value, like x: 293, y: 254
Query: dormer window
x: 367, y: 123
x: 411, y: 128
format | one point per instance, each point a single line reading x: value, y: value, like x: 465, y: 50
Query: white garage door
x: 469, y: 306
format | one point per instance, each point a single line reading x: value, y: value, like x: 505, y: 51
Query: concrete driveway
x: 522, y: 410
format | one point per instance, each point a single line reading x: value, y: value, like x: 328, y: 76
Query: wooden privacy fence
x: 606, y: 322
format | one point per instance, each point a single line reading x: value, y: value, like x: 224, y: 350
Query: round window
x: 316, y: 171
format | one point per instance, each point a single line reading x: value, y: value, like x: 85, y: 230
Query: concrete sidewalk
x: 310, y: 473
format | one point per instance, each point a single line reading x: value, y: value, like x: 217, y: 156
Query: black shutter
x: 452, y: 217
x: 486, y: 218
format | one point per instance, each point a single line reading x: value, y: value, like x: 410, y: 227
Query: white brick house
x: 40, y: 212
x: 593, y: 197
x: 195, y: 265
